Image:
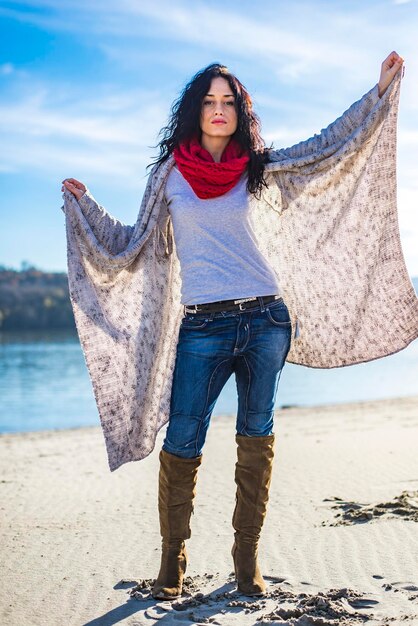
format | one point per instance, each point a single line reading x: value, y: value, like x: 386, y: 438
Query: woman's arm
x: 110, y: 232
x: 343, y: 126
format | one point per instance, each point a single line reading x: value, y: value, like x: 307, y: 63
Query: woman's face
x: 218, y: 117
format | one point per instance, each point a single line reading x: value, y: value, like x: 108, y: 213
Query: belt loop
x: 260, y: 299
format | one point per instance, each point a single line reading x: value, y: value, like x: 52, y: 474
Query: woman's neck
x: 214, y: 145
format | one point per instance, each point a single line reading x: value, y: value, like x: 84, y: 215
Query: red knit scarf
x: 207, y: 178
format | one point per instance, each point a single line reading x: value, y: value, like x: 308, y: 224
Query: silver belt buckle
x: 188, y: 310
x: 241, y: 301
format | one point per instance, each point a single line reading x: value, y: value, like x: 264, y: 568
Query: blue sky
x: 86, y: 86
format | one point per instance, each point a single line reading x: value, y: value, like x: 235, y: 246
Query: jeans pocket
x: 278, y: 314
x: 190, y: 322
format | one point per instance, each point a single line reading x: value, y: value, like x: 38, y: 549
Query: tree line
x: 31, y: 299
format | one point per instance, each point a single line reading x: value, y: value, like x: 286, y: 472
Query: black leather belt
x: 240, y: 304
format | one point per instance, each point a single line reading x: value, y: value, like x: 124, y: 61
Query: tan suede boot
x: 176, y: 491
x: 253, y: 471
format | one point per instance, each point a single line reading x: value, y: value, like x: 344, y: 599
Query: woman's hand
x: 390, y: 66
x: 75, y: 186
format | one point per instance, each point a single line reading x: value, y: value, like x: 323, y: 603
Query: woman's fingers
x: 74, y: 182
x: 394, y: 57
x: 76, y: 187
x: 392, y: 63
x: 66, y: 184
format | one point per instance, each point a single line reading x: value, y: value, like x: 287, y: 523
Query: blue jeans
x: 253, y: 344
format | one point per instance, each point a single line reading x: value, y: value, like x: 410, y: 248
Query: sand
x: 80, y: 545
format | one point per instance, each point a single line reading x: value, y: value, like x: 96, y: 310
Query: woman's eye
x: 228, y: 102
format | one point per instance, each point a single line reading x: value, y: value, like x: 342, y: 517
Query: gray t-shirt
x: 217, y: 249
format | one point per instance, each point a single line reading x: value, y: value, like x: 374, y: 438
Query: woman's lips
x: 218, y: 122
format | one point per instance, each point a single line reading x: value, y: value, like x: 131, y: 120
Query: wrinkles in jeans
x: 253, y: 344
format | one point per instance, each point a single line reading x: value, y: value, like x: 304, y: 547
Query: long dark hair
x: 184, y: 122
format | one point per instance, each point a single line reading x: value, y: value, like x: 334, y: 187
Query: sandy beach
x: 81, y: 546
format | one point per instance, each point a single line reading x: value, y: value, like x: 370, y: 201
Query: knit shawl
x: 327, y: 224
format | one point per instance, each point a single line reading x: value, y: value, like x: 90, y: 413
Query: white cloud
x: 286, y: 40
x: 106, y: 121
x: 408, y: 137
x: 6, y: 68
x: 50, y: 131
x: 308, y: 64
x: 408, y: 225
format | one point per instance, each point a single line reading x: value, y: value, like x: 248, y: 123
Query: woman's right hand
x: 75, y: 186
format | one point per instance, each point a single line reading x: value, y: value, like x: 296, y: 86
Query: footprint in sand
x: 404, y: 506
x: 406, y: 587
x: 224, y: 606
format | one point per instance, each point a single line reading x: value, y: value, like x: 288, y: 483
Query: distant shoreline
x: 32, y: 299
x: 292, y: 411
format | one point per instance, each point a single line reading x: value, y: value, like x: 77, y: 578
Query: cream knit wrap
x: 327, y: 224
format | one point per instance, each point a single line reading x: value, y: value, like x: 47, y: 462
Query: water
x: 44, y: 382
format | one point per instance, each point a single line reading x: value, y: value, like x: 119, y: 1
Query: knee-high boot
x: 253, y: 472
x: 176, y: 491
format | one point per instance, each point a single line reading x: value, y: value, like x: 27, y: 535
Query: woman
x: 235, y: 316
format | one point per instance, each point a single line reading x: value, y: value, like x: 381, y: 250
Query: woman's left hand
x: 390, y: 66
